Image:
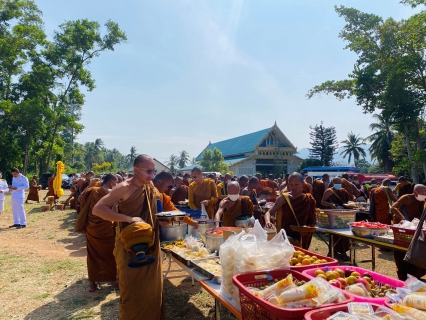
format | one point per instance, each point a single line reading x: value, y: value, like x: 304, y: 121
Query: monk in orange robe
x: 294, y: 208
x: 33, y: 193
x: 179, y: 192
x: 82, y: 184
x: 186, y: 181
x: 318, y: 189
x: 71, y: 200
x: 383, y: 197
x: 141, y: 290
x: 100, y: 236
x: 202, y: 192
x: 271, y: 186
x: 222, y: 187
x: 407, y: 187
x: 350, y: 187
x: 50, y: 191
x: 233, y: 206
x: 162, y: 181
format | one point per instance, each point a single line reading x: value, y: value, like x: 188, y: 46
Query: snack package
x: 308, y: 303
x: 342, y: 316
x: 277, y: 288
x: 386, y: 313
x: 307, y: 291
x: 358, y: 308
x: 414, y: 284
x: 408, y: 311
x: 327, y: 293
x: 358, y: 289
x: 415, y: 300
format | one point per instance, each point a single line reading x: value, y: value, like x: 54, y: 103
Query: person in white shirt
x: 3, y: 188
x: 18, y: 187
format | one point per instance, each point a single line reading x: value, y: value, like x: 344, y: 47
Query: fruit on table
x: 371, y: 225
x: 348, y: 272
x: 355, y: 274
x: 317, y: 272
x: 302, y: 259
x: 343, y: 283
x: 364, y: 282
x: 335, y: 283
x: 351, y: 280
x: 340, y: 272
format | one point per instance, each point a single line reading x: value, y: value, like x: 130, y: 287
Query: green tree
x: 375, y: 169
x: 381, y: 141
x: 132, y: 155
x: 364, y: 165
x: 352, y: 147
x: 173, y: 163
x: 183, y: 159
x: 212, y: 161
x: 324, y: 143
x: 309, y: 163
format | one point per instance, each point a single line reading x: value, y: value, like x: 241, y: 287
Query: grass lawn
x: 43, y: 273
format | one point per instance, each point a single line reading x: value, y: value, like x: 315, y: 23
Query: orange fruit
x: 306, y: 262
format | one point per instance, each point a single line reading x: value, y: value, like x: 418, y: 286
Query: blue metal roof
x: 238, y: 145
x: 230, y: 162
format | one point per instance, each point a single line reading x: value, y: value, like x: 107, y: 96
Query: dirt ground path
x: 43, y: 273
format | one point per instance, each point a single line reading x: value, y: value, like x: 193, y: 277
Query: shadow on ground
x: 75, y: 302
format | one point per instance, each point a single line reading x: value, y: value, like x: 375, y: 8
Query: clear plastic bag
x: 260, y: 233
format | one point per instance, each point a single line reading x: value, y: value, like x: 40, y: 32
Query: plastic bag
x: 260, y: 233
x: 227, y: 261
x: 415, y: 300
x: 414, y: 284
x: 342, y: 316
x: 203, y: 211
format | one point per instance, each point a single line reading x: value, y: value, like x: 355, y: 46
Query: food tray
x: 330, y: 261
x: 403, y: 236
x: 211, y: 276
x: 378, y: 278
x: 324, y: 313
x: 385, y: 239
x: 335, y: 218
x: 181, y: 259
x: 166, y: 243
x: 366, y: 232
x: 253, y: 307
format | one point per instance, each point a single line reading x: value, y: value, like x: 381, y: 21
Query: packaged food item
x: 360, y: 308
x: 415, y: 300
x: 342, y: 316
x: 414, y: 284
x: 358, y: 289
x: 307, y: 291
x: 277, y: 288
x: 386, y: 313
x: 411, y: 312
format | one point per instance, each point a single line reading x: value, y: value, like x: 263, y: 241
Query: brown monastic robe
x: 51, y: 191
x: 318, y: 189
x: 141, y: 290
x: 200, y: 192
x: 236, y: 210
x: 180, y: 194
x: 382, y: 205
x: 406, y: 189
x: 33, y: 193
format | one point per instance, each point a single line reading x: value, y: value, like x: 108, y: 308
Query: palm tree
x: 90, y: 155
x: 193, y: 161
x: 183, y: 159
x: 382, y: 141
x: 352, y: 147
x: 132, y: 155
x: 173, y: 162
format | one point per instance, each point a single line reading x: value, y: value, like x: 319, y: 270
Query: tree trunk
x: 410, y: 157
x: 26, y: 153
x: 49, y: 156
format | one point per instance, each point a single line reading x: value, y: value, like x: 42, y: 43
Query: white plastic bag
x: 260, y: 233
x: 203, y: 211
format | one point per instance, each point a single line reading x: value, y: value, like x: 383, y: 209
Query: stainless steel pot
x: 203, y: 225
x: 213, y: 241
x: 173, y: 232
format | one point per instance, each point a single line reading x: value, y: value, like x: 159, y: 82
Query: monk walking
x: 233, y: 205
x: 100, y: 236
x: 141, y: 290
x: 33, y: 193
x: 50, y: 190
x: 297, y: 208
x: 381, y: 200
x: 202, y: 192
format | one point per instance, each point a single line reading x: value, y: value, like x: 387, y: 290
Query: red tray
x: 330, y: 261
x: 324, y: 313
x: 253, y: 307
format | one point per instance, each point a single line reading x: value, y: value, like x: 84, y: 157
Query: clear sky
x: 195, y: 71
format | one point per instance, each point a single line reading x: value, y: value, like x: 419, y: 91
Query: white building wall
x: 244, y: 168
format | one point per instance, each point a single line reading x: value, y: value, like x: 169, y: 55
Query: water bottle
x: 159, y: 206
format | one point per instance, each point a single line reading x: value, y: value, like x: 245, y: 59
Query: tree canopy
x: 324, y: 144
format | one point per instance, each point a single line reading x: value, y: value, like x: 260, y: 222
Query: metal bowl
x: 170, y: 216
x: 368, y: 232
x: 243, y: 221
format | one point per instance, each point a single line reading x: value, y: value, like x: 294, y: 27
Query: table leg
x: 350, y: 250
x: 216, y: 309
x: 331, y: 245
x: 373, y: 257
x: 168, y: 268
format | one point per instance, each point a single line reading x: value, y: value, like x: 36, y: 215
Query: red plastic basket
x: 324, y: 313
x: 402, y: 237
x: 378, y: 278
x: 330, y: 261
x: 253, y: 307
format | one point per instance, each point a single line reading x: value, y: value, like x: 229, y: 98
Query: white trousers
x: 18, y: 211
x: 1, y: 206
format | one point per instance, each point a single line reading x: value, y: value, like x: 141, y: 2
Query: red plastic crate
x: 324, y: 313
x: 253, y: 307
x: 330, y: 261
x: 402, y: 237
x: 378, y: 278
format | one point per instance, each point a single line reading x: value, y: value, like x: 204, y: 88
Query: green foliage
x: 183, y: 159
x: 375, y: 169
x: 172, y: 163
x: 414, y: 3
x: 352, y: 147
x: 105, y: 167
x: 399, y: 156
x: 309, y: 163
x: 364, y: 165
x: 212, y: 161
x: 324, y: 143
x: 40, y: 83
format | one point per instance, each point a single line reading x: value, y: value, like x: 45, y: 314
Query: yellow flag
x: 57, y: 182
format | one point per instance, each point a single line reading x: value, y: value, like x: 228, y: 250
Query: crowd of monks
x: 108, y: 203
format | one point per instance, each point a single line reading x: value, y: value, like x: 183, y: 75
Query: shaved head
x: 140, y: 159
x: 420, y: 188
x: 295, y: 175
x: 233, y: 187
x: 337, y: 180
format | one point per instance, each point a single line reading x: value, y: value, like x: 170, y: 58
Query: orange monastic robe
x: 33, y: 193
x: 271, y: 185
x: 167, y: 202
x: 141, y: 290
x: 200, y: 192
x: 318, y: 189
x: 242, y: 204
x: 222, y: 190
x: 180, y: 194
x: 382, y: 205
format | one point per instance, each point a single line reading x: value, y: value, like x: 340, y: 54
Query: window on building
x: 245, y: 171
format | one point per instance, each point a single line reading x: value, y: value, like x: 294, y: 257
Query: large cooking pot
x: 175, y: 231
x: 203, y: 225
x: 213, y: 241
